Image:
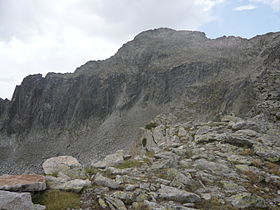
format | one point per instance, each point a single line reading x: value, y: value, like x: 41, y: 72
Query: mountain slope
x: 100, y: 107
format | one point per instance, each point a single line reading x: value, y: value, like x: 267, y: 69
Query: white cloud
x: 38, y: 36
x: 275, y: 4
x: 245, y: 7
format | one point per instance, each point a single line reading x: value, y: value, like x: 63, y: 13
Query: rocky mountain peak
x: 159, y: 71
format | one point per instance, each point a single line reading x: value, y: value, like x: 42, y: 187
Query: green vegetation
x: 247, y: 152
x: 129, y: 164
x: 214, y: 204
x: 150, y: 154
x: 151, y: 125
x: 91, y: 171
x: 57, y: 200
x: 144, y: 142
x: 164, y: 173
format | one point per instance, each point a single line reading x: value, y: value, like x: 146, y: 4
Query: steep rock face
x: 99, y: 107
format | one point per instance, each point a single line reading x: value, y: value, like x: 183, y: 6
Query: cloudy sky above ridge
x: 38, y: 36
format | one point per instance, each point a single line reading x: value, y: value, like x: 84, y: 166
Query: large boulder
x: 247, y: 200
x: 268, y: 153
x: 106, y: 182
x: 115, y: 203
x: 67, y: 165
x: 22, y: 183
x: 61, y: 183
x: 174, y: 194
x: 110, y: 160
x: 16, y: 201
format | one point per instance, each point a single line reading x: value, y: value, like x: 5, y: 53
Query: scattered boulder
x: 67, y: 165
x: 245, y: 125
x: 174, y: 194
x: 16, y: 201
x: 247, y: 200
x: 22, y: 183
x: 271, y: 154
x: 106, y: 182
x: 110, y: 160
x: 59, y: 183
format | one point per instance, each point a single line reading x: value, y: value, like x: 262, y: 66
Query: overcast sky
x: 40, y: 36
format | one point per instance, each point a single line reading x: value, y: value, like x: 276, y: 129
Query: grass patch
x: 129, y: 164
x: 253, y: 177
x: 257, y: 163
x: 150, y: 154
x: 247, y: 152
x: 140, y: 206
x: 91, y: 171
x: 151, y: 125
x: 57, y: 200
x: 188, y: 154
x: 273, y: 168
x: 144, y: 142
x: 214, y: 204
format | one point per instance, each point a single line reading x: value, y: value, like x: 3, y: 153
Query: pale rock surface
x: 23, y: 183
x: 17, y: 201
x: 67, y: 165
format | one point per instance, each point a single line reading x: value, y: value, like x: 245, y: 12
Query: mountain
x: 99, y: 108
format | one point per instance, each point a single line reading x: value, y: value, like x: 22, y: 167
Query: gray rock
x: 114, y: 203
x: 58, y: 183
x: 174, y: 194
x: 231, y: 187
x: 207, y: 138
x: 269, y: 153
x: 106, y: 182
x: 126, y: 197
x: 17, y: 201
x: 116, y: 171
x: 218, y: 167
x: 39, y: 207
x: 67, y: 165
x: 110, y: 160
x: 131, y: 187
x: 182, y: 132
x: 245, y: 125
x: 247, y: 200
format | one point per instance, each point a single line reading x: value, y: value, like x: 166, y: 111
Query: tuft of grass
x: 165, y: 173
x: 253, y: 177
x: 257, y: 163
x: 188, y: 154
x: 150, y: 154
x: 140, y: 206
x: 273, y: 168
x: 214, y: 204
x: 129, y: 164
x: 91, y: 171
x: 144, y: 142
x: 151, y: 125
x: 247, y: 152
x: 57, y: 200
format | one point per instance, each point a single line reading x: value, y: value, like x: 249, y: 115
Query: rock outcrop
x: 184, y: 173
x: 65, y: 173
x: 98, y: 108
x: 23, y: 183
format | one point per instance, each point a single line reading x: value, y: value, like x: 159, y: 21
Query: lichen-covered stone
x: 247, y: 200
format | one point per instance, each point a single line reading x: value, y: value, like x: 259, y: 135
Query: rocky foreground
x: 230, y: 164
